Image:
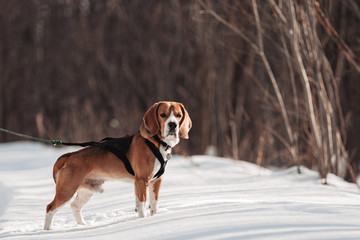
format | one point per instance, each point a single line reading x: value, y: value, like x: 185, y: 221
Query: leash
x: 106, y: 144
x: 53, y: 142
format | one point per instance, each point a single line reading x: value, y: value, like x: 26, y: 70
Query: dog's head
x: 170, y: 120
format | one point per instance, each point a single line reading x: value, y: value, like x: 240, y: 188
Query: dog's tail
x: 60, y: 164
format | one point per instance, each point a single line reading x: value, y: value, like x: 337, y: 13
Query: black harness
x: 120, y: 146
x: 158, y: 155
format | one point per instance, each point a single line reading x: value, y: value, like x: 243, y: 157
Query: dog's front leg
x: 140, y: 192
x: 154, y: 195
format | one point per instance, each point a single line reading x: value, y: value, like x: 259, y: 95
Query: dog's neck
x: 164, y: 144
x: 144, y: 132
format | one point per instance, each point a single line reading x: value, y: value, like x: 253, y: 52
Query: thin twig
x: 335, y: 36
x: 271, y: 74
x: 309, y: 100
x: 278, y: 11
x: 229, y: 25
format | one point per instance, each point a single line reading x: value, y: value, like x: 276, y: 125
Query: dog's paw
x: 153, y: 208
x: 47, y: 228
x: 141, y: 214
x: 82, y: 222
x: 153, y: 211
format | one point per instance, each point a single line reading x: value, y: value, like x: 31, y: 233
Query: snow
x: 202, y: 197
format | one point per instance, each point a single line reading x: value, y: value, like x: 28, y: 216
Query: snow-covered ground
x: 201, y: 198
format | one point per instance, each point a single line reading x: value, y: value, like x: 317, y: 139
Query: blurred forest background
x: 275, y: 82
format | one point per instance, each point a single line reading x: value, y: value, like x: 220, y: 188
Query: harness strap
x: 109, y: 145
x: 158, y: 155
x: 164, y: 144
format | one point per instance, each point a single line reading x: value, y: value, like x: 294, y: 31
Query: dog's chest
x: 166, y: 154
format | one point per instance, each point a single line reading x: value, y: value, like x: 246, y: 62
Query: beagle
x: 85, y: 171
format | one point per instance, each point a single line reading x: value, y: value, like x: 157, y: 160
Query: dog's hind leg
x: 53, y: 208
x: 83, y: 197
x: 50, y: 215
x: 64, y: 192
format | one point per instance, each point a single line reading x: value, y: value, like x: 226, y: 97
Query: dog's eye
x: 178, y: 115
x: 163, y: 115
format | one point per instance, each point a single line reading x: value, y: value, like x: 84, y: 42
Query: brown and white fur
x: 86, y: 170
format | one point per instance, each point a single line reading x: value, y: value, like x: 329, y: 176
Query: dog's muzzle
x: 172, y: 128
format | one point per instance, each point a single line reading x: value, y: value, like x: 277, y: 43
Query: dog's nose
x: 172, y: 125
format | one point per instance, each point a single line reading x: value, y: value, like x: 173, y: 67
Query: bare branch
x: 271, y: 74
x: 335, y: 36
x: 229, y: 25
x: 278, y: 11
x: 314, y: 124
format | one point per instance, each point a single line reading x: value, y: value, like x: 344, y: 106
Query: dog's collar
x: 164, y: 144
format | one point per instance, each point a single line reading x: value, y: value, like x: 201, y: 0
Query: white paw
x: 47, y: 227
x: 153, y: 207
x: 140, y: 208
x: 81, y: 223
x: 153, y: 211
x: 141, y: 214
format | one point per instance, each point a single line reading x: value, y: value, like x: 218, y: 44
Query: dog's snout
x: 172, y: 125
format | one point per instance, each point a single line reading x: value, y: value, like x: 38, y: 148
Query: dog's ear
x: 151, y: 119
x: 185, y: 123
